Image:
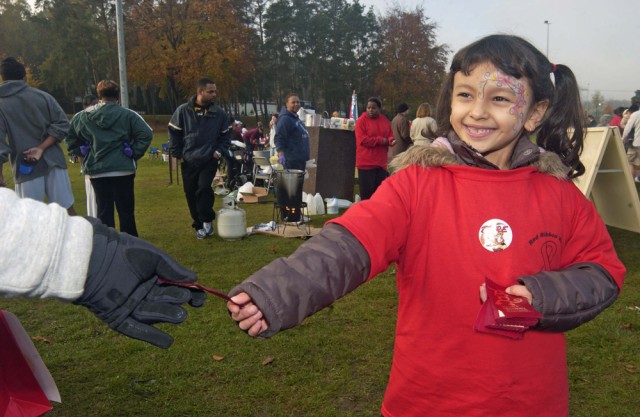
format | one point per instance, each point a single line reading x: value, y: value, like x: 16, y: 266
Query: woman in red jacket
x: 373, y: 138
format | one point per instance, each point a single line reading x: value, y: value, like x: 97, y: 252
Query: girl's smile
x: 478, y: 132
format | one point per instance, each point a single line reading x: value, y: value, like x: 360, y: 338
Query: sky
x: 598, y: 40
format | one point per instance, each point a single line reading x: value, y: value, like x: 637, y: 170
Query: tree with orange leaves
x: 173, y: 43
x: 412, y: 63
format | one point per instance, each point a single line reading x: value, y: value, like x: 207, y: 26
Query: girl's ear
x: 535, y: 115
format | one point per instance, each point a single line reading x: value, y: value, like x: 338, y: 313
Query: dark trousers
x: 118, y: 192
x: 370, y: 180
x: 196, y: 180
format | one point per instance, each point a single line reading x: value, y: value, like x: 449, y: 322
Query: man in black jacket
x: 199, y: 135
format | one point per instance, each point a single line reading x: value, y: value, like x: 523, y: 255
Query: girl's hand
x: 247, y: 314
x: 519, y: 290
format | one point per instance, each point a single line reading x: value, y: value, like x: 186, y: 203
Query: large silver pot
x: 288, y: 188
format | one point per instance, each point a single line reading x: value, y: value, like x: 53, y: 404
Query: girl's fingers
x: 483, y: 292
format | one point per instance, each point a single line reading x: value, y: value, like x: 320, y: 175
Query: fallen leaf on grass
x: 273, y: 249
x: 42, y: 339
x: 628, y: 326
x: 217, y: 358
x: 268, y: 360
x: 632, y: 369
x: 143, y: 387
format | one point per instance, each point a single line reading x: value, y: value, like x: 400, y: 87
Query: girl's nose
x: 478, y: 110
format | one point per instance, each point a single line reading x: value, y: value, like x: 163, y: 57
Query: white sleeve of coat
x: 44, y: 252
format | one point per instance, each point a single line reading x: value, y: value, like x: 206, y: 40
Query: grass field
x: 335, y: 364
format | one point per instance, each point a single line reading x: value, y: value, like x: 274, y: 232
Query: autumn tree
x: 174, y: 43
x: 256, y: 50
x: 413, y: 64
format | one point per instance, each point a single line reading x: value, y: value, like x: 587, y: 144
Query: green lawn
x: 335, y: 364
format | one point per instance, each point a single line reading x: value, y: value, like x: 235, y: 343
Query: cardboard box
x: 259, y: 195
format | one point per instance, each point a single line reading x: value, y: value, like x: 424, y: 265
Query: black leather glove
x: 122, y: 286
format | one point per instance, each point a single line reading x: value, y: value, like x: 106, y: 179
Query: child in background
x: 483, y: 202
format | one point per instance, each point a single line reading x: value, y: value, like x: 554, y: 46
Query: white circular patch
x: 495, y: 235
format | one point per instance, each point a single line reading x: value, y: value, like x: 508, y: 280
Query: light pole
x: 546, y: 22
x: 122, y: 60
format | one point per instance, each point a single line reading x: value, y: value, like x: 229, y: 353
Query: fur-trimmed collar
x: 442, y: 153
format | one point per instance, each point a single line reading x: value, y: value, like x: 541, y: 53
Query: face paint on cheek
x: 520, y: 104
x: 520, y: 91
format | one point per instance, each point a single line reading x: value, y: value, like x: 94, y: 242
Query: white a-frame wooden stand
x: 608, y: 181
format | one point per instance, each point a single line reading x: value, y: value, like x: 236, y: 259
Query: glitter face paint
x: 518, y: 87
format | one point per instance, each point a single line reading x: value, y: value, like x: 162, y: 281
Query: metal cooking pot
x: 288, y: 188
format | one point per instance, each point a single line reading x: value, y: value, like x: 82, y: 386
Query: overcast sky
x: 598, y: 40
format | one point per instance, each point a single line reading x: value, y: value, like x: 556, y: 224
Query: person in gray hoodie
x: 111, y: 139
x: 32, y: 125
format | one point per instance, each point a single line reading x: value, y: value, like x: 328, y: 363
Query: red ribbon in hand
x: 197, y: 286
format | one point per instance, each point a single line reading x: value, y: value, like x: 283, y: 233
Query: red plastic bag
x: 23, y: 376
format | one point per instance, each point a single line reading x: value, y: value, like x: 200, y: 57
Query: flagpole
x: 353, y: 110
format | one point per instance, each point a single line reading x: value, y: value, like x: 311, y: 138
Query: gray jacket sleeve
x: 58, y: 124
x: 5, y: 150
x: 320, y: 271
x: 572, y: 296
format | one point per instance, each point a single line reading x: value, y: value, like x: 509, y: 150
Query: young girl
x: 484, y: 202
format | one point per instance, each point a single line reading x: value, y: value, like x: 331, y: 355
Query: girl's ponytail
x: 562, y: 130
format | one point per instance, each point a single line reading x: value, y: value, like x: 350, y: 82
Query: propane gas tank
x: 231, y: 221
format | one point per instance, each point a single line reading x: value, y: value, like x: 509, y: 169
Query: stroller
x: 239, y: 165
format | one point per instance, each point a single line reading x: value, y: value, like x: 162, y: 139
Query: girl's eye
x: 464, y: 95
x: 501, y: 99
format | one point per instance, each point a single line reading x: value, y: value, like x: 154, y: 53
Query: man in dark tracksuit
x: 199, y: 135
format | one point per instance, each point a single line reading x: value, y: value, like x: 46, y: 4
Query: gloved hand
x: 281, y: 159
x: 84, y: 149
x: 127, y: 150
x: 122, y: 286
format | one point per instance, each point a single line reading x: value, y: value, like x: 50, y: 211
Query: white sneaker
x: 205, y: 232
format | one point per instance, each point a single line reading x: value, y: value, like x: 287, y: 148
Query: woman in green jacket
x: 111, y: 139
